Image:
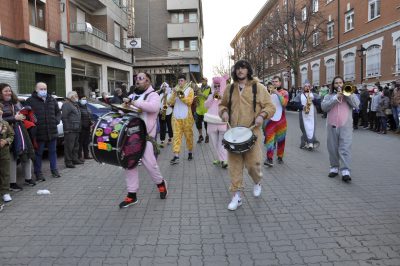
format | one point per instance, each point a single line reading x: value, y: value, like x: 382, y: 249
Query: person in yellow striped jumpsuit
x: 182, y: 118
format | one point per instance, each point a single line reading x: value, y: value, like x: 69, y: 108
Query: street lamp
x: 360, y: 53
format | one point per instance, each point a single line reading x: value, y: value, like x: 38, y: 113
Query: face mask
x: 42, y: 93
x: 83, y: 102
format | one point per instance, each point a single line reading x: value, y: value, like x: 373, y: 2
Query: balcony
x: 89, y: 38
x: 38, y: 36
x: 182, y: 4
x: 182, y: 30
x: 92, y: 5
x: 187, y: 53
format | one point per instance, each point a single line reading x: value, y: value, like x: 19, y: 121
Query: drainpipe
x: 338, y: 39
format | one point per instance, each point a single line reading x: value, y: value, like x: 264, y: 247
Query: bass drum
x: 119, y: 139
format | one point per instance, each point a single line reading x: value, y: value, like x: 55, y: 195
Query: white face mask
x: 83, y: 102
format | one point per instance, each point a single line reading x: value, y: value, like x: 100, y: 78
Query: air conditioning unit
x: 89, y: 27
x: 133, y: 43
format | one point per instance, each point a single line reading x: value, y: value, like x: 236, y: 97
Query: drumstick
x: 253, y: 126
x: 229, y: 125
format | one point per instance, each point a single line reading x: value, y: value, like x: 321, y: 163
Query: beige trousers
x: 250, y: 159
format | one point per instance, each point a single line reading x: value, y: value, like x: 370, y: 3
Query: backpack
x: 254, y: 88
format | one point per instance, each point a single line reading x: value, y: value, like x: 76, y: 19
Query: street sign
x: 134, y: 43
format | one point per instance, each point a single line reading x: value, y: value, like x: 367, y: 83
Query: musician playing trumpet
x: 165, y: 115
x: 182, y: 118
x: 339, y: 106
x: 306, y: 101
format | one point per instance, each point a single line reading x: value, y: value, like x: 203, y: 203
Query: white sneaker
x: 257, y: 190
x: 235, y: 203
x: 345, y: 172
x: 7, y: 198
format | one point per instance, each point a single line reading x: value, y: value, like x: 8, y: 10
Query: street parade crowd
x: 242, y: 119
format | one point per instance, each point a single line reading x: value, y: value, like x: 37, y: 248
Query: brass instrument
x: 217, y: 96
x: 307, y: 107
x: 165, y: 106
x: 348, y: 89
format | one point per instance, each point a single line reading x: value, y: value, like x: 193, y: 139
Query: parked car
x: 98, y: 109
x: 60, y: 100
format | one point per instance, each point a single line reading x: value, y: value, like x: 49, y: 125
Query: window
x: 330, y: 70
x: 328, y: 1
x: 177, y: 18
x: 349, y: 67
x: 315, y: 74
x: 315, y: 6
x: 397, y: 65
x: 178, y: 45
x: 373, y: 60
x: 284, y: 2
x: 349, y: 21
x: 117, y: 35
x: 192, y: 17
x: 374, y: 9
x: 304, y: 74
x: 37, y: 14
x: 193, y: 45
x: 330, y: 30
x: 315, y: 38
x: 303, y: 13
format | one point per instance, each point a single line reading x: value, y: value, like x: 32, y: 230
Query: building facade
x: 93, y: 45
x: 361, y: 42
x: 29, y: 31
x: 171, y: 32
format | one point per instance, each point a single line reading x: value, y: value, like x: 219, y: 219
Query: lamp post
x: 360, y: 53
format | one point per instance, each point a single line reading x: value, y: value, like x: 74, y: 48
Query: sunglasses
x: 217, y: 86
x: 140, y: 78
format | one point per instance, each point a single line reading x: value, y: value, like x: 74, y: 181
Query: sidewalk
x: 302, y: 217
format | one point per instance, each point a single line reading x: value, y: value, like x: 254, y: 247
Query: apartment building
x: 361, y: 42
x: 93, y: 45
x: 171, y: 32
x: 29, y: 31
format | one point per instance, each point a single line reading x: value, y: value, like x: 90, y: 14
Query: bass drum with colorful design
x: 119, y: 139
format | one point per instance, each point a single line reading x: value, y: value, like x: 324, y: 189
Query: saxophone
x: 165, y: 106
x: 307, y: 107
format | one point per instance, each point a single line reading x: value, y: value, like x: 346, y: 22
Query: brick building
x: 29, y: 31
x: 356, y: 31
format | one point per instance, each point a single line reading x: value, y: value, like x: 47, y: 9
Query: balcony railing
x: 87, y: 27
x: 120, y: 5
x: 349, y: 77
x: 117, y: 43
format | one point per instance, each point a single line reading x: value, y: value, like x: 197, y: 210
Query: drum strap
x: 254, y: 88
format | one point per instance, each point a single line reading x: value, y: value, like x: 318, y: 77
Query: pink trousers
x: 216, y: 137
x: 150, y: 163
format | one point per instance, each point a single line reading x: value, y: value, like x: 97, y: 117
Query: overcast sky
x: 222, y: 19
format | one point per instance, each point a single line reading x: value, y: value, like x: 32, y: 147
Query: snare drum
x: 239, y: 139
x: 119, y: 139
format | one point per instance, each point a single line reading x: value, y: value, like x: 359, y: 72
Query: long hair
x: 332, y: 88
x: 242, y: 64
x: 14, y: 98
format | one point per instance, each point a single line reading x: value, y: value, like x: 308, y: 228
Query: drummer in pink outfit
x: 147, y: 100
x: 216, y: 131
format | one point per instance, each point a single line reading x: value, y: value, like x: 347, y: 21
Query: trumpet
x: 348, y: 89
x: 217, y: 96
x: 180, y: 94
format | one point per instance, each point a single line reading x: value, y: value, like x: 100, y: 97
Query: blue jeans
x: 396, y: 112
x: 52, y: 147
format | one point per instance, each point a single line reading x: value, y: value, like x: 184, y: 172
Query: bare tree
x: 221, y: 69
x: 294, y: 32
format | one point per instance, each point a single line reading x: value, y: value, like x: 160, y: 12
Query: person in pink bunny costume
x: 216, y: 130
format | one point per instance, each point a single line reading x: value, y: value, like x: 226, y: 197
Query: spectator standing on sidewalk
x: 118, y: 97
x: 383, y: 106
x: 6, y: 138
x: 48, y: 117
x: 22, y: 153
x: 373, y: 121
x: 395, y: 101
x: 71, y: 118
x: 84, y: 135
x: 364, y: 102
